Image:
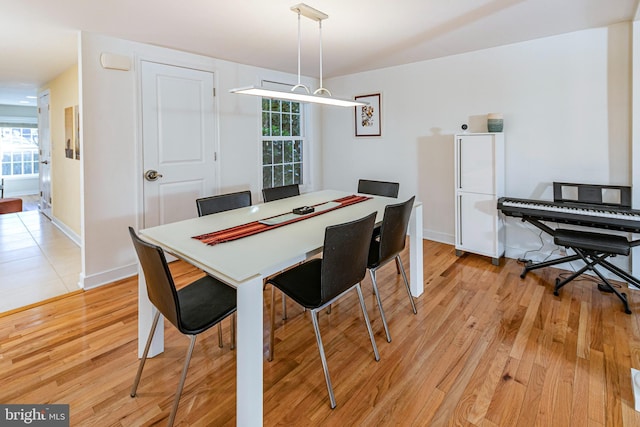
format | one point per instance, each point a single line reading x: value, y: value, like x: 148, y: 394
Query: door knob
x: 45, y: 162
x: 152, y: 175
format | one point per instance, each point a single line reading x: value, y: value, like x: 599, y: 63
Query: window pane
x: 267, y: 176
x: 17, y: 157
x: 275, y: 105
x: 267, y: 153
x: 286, y: 106
x: 275, y: 125
x: 288, y: 174
x: 277, y: 152
x: 295, y: 107
x: 27, y: 168
x: 295, y: 125
x: 278, y: 173
x: 36, y: 167
x: 266, y: 129
x: 28, y: 156
x: 297, y: 151
x: 266, y: 104
x: 17, y: 169
x: 288, y: 151
x: 6, y: 169
x: 6, y: 157
x: 297, y: 173
x: 286, y: 125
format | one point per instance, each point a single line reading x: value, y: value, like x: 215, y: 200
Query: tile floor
x: 37, y: 260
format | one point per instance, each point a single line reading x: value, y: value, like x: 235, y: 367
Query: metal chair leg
x: 284, y: 307
x: 397, y: 265
x: 273, y: 322
x: 382, y: 316
x: 406, y: 283
x: 366, y: 321
x: 220, y: 343
x: 136, y: 381
x: 233, y: 331
x: 314, y: 319
x: 172, y: 417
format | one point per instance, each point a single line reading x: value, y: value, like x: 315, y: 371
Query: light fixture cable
x: 320, y: 95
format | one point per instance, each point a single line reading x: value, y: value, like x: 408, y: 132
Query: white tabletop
x: 263, y: 253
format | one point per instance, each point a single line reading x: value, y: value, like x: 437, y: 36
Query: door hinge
x: 215, y: 156
x: 214, y: 92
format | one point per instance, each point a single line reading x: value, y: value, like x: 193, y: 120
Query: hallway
x: 37, y: 260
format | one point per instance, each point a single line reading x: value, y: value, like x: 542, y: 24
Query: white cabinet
x: 479, y: 181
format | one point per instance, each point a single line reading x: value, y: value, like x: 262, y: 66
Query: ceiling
x: 38, y: 38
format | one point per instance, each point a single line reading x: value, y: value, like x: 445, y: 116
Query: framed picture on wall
x: 368, y: 117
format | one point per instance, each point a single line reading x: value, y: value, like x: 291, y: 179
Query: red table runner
x: 255, y: 227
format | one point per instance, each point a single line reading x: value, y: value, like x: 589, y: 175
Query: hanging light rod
x: 315, y: 98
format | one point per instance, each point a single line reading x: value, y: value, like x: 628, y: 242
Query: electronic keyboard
x: 610, y: 217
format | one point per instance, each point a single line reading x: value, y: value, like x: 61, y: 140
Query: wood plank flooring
x: 485, y: 349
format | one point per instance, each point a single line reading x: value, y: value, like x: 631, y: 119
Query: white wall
x: 111, y: 151
x: 566, y: 104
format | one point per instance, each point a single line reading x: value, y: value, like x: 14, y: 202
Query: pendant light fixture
x: 320, y: 95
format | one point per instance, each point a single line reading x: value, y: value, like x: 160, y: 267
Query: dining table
x: 245, y: 262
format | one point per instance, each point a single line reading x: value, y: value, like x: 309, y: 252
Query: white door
x: 44, y: 141
x: 178, y: 128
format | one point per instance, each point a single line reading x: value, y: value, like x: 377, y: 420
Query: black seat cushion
x: 204, y: 303
x: 598, y: 242
x: 302, y: 283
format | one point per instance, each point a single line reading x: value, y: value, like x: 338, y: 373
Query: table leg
x: 249, y: 358
x: 415, y: 252
x: 146, y: 312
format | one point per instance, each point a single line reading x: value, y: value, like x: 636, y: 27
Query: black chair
x: 277, y: 193
x: 379, y: 188
x: 223, y: 202
x: 192, y: 309
x: 317, y: 283
x: 393, y: 233
x: 594, y: 249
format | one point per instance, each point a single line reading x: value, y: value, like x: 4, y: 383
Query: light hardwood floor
x: 37, y: 260
x: 486, y: 348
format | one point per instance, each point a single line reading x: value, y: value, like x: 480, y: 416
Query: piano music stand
x: 592, y: 248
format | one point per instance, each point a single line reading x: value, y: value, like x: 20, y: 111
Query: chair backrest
x: 393, y: 232
x: 223, y: 202
x: 379, y: 188
x: 160, y: 286
x: 344, y: 256
x: 277, y: 193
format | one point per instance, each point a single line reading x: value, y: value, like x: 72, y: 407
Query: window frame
x: 33, y: 152
x: 302, y: 111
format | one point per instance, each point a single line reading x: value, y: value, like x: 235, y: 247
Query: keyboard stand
x: 592, y: 248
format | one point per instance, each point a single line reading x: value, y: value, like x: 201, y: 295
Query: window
x: 19, y: 150
x: 282, y: 143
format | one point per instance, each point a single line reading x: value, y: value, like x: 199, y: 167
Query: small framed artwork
x: 368, y: 117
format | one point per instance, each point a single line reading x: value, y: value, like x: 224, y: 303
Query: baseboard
x: 439, y: 237
x: 98, y: 279
x: 67, y: 231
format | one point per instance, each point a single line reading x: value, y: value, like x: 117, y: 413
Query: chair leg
x: 366, y: 321
x: 284, y: 307
x: 220, y: 343
x: 314, y: 319
x: 397, y: 265
x: 136, y: 381
x: 382, y: 316
x: 172, y: 417
x: 233, y: 331
x: 406, y: 283
x: 273, y: 322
